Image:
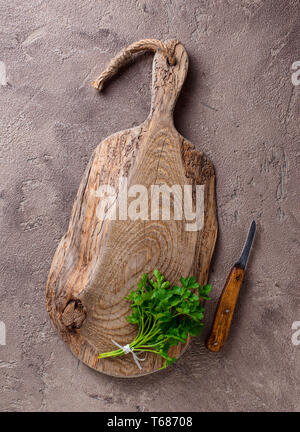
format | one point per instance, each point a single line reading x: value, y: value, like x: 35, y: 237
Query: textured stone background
x: 238, y: 105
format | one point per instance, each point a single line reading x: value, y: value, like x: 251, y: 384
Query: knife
x: 229, y: 296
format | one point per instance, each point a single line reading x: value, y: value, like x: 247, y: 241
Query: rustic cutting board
x: 98, y: 261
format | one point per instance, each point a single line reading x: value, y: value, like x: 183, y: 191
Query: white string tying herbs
x: 126, y: 349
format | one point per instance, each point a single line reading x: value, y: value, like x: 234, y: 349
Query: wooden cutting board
x: 99, y: 260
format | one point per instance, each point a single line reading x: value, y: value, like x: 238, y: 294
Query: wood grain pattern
x: 225, y: 310
x: 98, y: 262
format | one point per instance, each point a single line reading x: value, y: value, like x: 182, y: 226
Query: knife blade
x: 242, y: 262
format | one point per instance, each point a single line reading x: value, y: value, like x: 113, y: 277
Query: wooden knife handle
x: 225, y: 310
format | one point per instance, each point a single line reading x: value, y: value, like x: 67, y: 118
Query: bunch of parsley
x: 164, y: 315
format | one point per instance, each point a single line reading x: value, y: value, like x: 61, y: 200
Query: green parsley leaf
x: 165, y: 315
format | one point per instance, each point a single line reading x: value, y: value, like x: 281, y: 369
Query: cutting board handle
x: 126, y: 54
x: 169, y: 71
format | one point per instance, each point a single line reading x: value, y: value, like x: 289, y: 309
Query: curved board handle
x: 169, y: 71
x: 126, y: 54
x: 225, y: 310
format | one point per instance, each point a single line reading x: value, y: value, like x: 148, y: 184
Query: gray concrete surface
x: 238, y: 105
